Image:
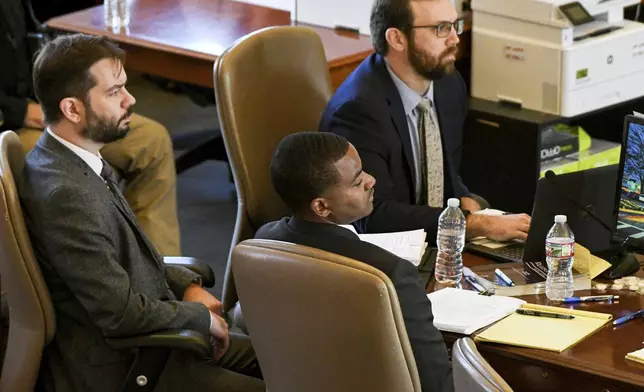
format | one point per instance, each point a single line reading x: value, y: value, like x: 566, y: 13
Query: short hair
x: 61, y: 69
x: 386, y: 14
x: 303, y: 168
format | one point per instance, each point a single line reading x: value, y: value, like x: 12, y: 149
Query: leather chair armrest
x: 479, y: 199
x: 195, y: 265
x: 173, y: 339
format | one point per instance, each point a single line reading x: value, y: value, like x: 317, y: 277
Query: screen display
x: 576, y: 13
x: 630, y: 219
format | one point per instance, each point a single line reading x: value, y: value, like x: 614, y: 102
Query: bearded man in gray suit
x: 105, y: 277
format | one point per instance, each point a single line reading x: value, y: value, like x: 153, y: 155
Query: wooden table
x: 181, y: 39
x: 595, y: 364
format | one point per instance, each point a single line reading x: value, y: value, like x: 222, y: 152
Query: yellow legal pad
x: 637, y: 356
x: 544, y: 332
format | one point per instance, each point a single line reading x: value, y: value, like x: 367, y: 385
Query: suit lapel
x: 398, y: 117
x: 74, y: 164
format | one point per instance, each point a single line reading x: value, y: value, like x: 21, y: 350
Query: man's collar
x: 410, y: 98
x: 93, y: 161
x: 306, y: 226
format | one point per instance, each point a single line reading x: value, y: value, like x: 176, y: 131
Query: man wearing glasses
x: 403, y: 109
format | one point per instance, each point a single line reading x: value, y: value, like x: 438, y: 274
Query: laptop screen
x: 630, y: 198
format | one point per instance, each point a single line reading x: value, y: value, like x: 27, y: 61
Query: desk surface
x: 595, y: 364
x: 203, y: 28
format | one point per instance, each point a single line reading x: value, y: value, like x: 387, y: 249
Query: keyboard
x: 508, y: 254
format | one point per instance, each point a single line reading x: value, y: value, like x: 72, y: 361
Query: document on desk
x: 637, y: 356
x: 409, y: 245
x: 465, y: 311
x: 552, y: 334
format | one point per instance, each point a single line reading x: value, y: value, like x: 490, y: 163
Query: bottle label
x: 554, y: 249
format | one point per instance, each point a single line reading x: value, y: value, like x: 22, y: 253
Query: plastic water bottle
x: 116, y: 14
x: 450, y: 241
x: 560, y: 254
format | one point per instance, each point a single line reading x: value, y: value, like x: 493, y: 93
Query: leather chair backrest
x: 322, y: 322
x: 471, y: 371
x: 32, y: 321
x: 268, y: 84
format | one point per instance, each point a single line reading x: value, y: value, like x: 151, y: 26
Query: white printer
x: 554, y: 56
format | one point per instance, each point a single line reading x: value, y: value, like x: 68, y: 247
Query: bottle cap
x: 453, y: 202
x: 560, y: 218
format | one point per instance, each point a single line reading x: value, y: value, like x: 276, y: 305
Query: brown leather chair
x: 32, y: 322
x: 322, y: 322
x: 268, y: 84
x: 471, y: 371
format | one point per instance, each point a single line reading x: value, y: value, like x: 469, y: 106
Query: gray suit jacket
x: 104, y: 277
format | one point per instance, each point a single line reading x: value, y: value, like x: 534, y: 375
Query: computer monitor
x: 630, y: 190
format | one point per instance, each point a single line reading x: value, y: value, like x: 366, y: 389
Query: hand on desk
x: 499, y: 228
x: 467, y: 203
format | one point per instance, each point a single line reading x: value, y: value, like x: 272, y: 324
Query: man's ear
x: 396, y: 39
x: 320, y: 207
x: 73, y: 109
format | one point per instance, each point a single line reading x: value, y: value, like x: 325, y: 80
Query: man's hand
x: 499, y: 228
x: 467, y: 203
x: 218, y: 336
x: 34, y: 117
x: 196, y: 293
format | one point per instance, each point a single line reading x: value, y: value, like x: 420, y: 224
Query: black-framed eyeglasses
x: 443, y: 29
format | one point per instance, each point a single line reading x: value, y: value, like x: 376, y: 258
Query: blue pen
x: 590, y: 298
x: 628, y: 317
x: 475, y: 284
x: 504, y: 277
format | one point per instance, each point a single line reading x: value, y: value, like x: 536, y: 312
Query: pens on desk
x: 628, y: 317
x: 538, y: 313
x: 504, y: 277
x: 475, y: 284
x: 590, y: 298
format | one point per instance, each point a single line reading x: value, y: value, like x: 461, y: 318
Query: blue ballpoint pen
x: 590, y: 298
x: 504, y: 277
x: 475, y: 284
x: 628, y: 317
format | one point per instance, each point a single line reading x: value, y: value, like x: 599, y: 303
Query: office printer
x: 556, y: 56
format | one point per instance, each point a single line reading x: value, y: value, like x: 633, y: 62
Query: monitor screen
x: 630, y: 214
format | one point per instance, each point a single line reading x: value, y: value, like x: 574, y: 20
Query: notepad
x: 464, y: 311
x: 637, y: 356
x: 409, y: 245
x: 543, y: 332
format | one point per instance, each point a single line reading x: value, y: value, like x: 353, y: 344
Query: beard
x: 430, y: 67
x: 105, y: 130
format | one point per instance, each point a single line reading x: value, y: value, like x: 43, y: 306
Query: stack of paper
x: 552, y: 334
x: 464, y: 311
x: 409, y: 245
x: 637, y: 356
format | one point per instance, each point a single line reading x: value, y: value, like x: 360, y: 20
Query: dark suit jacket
x: 427, y: 343
x: 15, y: 67
x: 104, y: 278
x: 368, y: 111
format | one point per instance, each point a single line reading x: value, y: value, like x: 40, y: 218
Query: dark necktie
x: 108, y: 175
x: 110, y: 180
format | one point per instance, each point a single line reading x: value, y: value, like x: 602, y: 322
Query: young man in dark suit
x: 403, y: 109
x: 320, y: 178
x: 105, y: 277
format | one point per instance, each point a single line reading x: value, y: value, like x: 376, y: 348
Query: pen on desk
x: 504, y: 277
x: 590, y: 298
x: 474, y: 284
x: 538, y: 313
x: 629, y: 317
